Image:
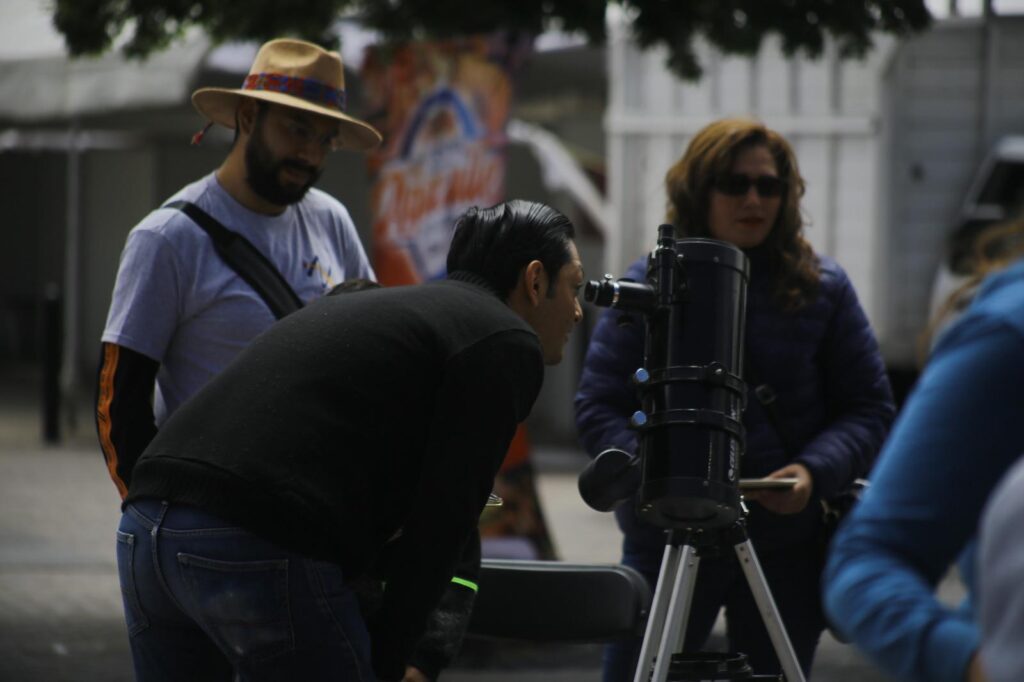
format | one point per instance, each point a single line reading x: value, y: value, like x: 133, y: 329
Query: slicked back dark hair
x: 496, y: 243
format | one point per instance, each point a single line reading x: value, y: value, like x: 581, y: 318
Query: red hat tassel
x: 198, y: 137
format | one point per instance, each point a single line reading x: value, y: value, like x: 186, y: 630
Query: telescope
x: 685, y: 477
x: 692, y: 396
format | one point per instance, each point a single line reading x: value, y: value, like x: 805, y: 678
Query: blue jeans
x: 794, y: 579
x: 207, y: 600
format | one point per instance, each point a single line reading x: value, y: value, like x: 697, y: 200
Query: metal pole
x: 72, y: 255
x: 51, y: 331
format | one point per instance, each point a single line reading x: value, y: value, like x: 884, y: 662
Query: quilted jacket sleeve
x: 858, y: 395
x: 606, y: 397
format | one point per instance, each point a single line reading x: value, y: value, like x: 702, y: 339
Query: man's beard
x: 262, y: 171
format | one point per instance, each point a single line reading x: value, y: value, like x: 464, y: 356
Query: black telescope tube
x: 690, y: 432
x: 690, y: 428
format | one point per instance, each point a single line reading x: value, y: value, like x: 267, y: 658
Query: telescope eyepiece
x: 604, y: 293
x: 624, y: 294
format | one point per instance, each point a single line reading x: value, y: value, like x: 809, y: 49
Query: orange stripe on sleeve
x: 111, y: 352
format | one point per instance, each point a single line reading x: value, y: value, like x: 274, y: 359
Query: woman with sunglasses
x: 826, y: 404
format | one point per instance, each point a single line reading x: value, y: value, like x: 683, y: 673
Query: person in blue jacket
x: 808, y: 339
x: 957, y: 436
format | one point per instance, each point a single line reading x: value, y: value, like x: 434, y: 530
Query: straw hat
x: 296, y: 74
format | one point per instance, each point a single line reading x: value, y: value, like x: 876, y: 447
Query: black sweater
x: 357, y: 417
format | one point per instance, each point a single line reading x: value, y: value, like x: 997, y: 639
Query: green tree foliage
x: 735, y: 26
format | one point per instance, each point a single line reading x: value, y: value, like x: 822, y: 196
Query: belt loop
x: 164, y: 506
x: 154, y: 548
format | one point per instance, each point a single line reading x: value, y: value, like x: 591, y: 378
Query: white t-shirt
x: 178, y: 303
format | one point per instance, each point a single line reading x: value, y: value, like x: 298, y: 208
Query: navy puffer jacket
x: 833, y: 396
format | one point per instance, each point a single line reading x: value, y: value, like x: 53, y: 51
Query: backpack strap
x: 246, y: 260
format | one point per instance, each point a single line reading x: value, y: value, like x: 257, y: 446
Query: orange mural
x: 442, y: 108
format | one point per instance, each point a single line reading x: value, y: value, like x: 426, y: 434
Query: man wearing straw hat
x: 179, y: 313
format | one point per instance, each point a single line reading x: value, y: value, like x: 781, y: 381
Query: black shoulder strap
x: 246, y: 260
x: 766, y: 396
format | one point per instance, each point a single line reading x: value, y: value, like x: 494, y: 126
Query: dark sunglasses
x: 737, y: 185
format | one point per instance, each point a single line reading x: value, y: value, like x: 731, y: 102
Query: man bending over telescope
x: 364, y: 424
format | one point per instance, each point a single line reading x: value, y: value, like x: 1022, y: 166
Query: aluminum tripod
x: 673, y: 595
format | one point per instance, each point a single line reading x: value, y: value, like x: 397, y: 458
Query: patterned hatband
x: 304, y: 88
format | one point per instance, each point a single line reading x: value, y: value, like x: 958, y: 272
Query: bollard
x: 51, y: 351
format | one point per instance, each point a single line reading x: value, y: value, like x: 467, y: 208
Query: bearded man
x: 179, y: 314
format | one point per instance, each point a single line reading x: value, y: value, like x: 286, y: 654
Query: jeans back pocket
x: 242, y: 605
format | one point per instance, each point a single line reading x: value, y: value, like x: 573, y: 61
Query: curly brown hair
x: 711, y: 154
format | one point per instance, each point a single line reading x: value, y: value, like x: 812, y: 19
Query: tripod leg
x: 769, y: 613
x: 678, y: 612
x: 659, y: 607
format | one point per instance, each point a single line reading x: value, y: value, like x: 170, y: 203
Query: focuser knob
x: 638, y: 419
